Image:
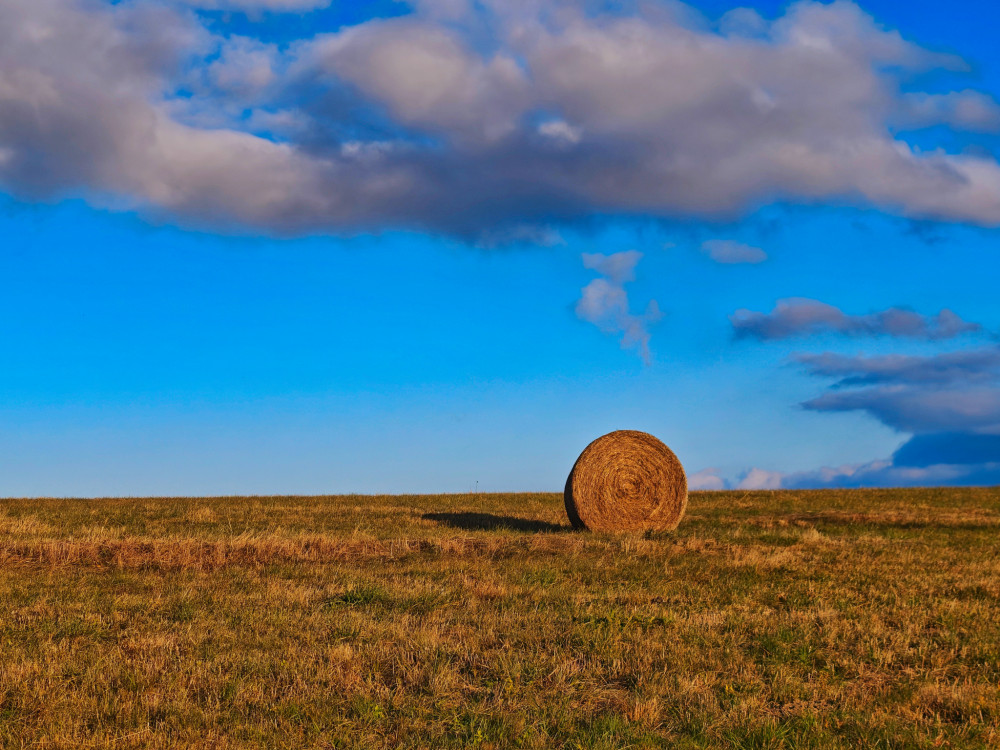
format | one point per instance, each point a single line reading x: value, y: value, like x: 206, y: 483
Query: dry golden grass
x: 861, y: 619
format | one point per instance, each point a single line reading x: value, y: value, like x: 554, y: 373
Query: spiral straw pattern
x: 626, y: 481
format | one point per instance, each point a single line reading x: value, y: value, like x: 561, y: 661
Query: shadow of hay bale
x: 490, y: 522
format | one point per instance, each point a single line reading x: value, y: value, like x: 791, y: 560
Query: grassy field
x: 849, y: 619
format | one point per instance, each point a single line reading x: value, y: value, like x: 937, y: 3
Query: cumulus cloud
x: 728, y: 251
x: 429, y: 78
x: 604, y: 301
x: 803, y: 317
x: 499, y: 114
x: 245, y: 67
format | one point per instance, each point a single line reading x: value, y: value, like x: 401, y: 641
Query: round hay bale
x: 626, y: 481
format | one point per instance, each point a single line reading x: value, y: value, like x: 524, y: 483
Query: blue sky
x: 284, y: 246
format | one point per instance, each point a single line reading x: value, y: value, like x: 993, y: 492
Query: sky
x: 303, y: 247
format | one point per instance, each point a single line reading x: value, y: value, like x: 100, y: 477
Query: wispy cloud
x: 969, y: 110
x: 918, y: 409
x: 499, y: 114
x: 605, y: 303
x: 798, y: 316
x: 729, y: 251
x: 962, y: 367
x: 948, y: 392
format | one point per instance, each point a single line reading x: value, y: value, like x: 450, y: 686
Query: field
x: 835, y: 619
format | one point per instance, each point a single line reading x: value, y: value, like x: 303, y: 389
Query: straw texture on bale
x: 626, y: 481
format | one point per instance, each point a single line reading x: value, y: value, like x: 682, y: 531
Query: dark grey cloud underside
x: 949, y: 403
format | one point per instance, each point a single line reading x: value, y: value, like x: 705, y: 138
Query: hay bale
x: 626, y: 481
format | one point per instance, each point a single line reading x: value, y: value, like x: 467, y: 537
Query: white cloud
x: 428, y: 77
x: 881, y: 473
x: 706, y: 479
x: 604, y: 301
x: 886, y: 473
x: 743, y: 22
x: 245, y: 67
x: 560, y: 130
x: 761, y: 479
x: 657, y: 115
x: 729, y: 251
x: 966, y: 110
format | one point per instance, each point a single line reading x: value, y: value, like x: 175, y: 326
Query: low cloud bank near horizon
x: 948, y: 405
x: 478, y: 118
